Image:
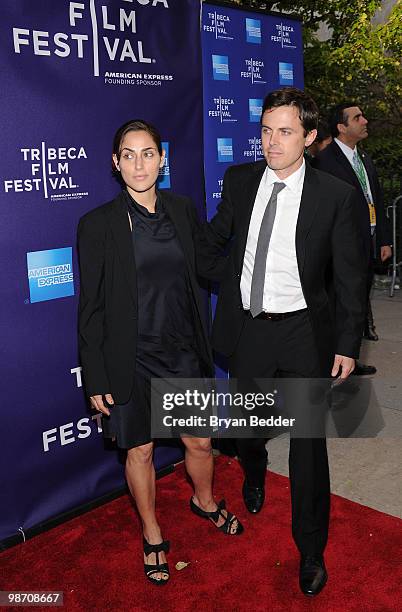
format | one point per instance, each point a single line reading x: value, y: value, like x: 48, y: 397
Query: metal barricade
x: 395, y: 266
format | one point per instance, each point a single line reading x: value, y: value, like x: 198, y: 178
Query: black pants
x: 268, y: 349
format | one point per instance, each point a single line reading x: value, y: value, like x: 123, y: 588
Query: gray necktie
x: 260, y: 260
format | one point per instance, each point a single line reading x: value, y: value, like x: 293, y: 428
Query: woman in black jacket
x: 140, y: 317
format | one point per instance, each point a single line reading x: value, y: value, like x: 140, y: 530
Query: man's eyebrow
x: 283, y: 127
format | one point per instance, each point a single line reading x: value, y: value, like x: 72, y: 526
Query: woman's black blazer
x: 108, y: 302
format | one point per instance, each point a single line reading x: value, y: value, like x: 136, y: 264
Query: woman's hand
x: 98, y: 403
x: 343, y: 366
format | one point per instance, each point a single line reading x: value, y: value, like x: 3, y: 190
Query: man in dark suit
x: 343, y: 159
x: 285, y: 222
x: 323, y: 139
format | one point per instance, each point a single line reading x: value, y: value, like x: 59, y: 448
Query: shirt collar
x: 294, y: 181
x: 346, y: 150
x: 134, y: 206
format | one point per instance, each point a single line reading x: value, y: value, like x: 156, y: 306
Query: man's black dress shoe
x: 370, y: 334
x: 253, y: 497
x: 363, y: 370
x: 313, y: 575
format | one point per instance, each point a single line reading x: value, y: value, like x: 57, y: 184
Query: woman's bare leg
x: 200, y: 467
x: 199, y: 462
x: 140, y: 475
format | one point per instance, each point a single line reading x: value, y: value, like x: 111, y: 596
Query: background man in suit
x: 322, y: 140
x: 285, y: 222
x: 342, y: 159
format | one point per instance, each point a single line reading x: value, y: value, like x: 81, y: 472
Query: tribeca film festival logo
x: 164, y: 172
x: 255, y: 109
x: 253, y: 149
x: 50, y: 274
x: 222, y: 109
x: 285, y: 73
x: 69, y: 433
x: 253, y: 31
x: 216, y: 195
x: 119, y: 38
x: 218, y: 25
x: 220, y: 67
x: 225, y: 149
x: 254, y: 71
x: 283, y: 35
x: 50, y: 172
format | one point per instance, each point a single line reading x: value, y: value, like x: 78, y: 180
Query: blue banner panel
x: 245, y: 55
x: 72, y: 73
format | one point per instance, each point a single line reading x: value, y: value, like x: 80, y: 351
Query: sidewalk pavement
x: 366, y: 470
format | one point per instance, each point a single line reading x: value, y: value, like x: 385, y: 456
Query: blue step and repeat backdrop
x: 245, y: 55
x: 72, y: 72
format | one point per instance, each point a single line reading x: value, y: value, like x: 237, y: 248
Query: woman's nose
x: 138, y: 161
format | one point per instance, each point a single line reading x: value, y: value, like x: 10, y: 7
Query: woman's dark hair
x: 134, y: 125
x: 291, y: 96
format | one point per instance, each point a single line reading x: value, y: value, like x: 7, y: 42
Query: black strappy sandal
x: 161, y: 568
x: 214, y: 516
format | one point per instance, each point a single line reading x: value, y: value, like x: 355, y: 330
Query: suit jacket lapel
x: 120, y: 227
x: 250, y: 192
x: 345, y: 163
x: 308, y: 207
x: 369, y: 173
x: 178, y: 216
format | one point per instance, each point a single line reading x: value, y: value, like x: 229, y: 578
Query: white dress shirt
x: 349, y: 152
x: 282, y: 288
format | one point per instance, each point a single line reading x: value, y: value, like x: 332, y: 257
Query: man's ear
x: 311, y: 136
x: 341, y: 128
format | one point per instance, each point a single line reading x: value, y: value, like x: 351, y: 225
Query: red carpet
x: 96, y: 558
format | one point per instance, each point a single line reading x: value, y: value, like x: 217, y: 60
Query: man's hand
x: 386, y: 253
x: 98, y: 404
x: 345, y: 364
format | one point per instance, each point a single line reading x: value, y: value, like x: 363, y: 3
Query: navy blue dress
x: 165, y: 345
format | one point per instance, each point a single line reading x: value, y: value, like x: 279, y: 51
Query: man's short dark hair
x: 291, y: 96
x: 323, y: 131
x: 337, y: 115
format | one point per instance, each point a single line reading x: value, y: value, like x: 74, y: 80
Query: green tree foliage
x: 359, y: 60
